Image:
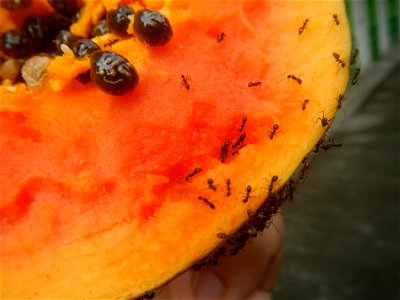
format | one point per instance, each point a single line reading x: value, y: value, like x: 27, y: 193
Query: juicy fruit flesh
x: 108, y: 187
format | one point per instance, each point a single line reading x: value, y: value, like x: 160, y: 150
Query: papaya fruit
x: 125, y: 163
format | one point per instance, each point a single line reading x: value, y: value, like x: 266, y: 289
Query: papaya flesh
x: 108, y: 196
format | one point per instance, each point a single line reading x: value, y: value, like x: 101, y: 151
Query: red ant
x: 303, y: 27
x: 220, y: 37
x: 340, y: 99
x: 275, y: 127
x: 304, y: 104
x: 206, y: 201
x: 354, y: 56
x: 324, y: 120
x: 235, y: 152
x: 297, y: 79
x: 185, y: 83
x: 147, y: 296
x: 288, y: 191
x: 318, y: 145
x: 331, y: 144
x: 355, y: 76
x: 336, y: 19
x: 239, y: 141
x: 336, y: 56
x: 225, y: 150
x: 252, y: 232
x: 291, y: 189
x: 211, y: 184
x: 222, y: 236
x: 254, y: 83
x: 241, y: 127
x: 273, y: 181
x: 247, y: 195
x: 250, y: 213
x: 195, y: 172
x: 228, y: 187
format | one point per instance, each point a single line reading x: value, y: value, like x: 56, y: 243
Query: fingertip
x: 259, y: 295
x: 207, y: 285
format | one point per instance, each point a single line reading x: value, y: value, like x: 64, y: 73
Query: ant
x: 110, y: 43
x: 241, y: 127
x: 288, y: 190
x: 235, y: 152
x: 336, y: 19
x: 247, y: 195
x: 318, y: 145
x: 222, y: 236
x: 184, y: 80
x: 340, y: 99
x: 252, y: 232
x: 225, y: 150
x: 324, y: 120
x: 305, y: 169
x: 147, y: 296
x: 331, y: 144
x: 291, y: 189
x: 211, y: 184
x: 355, y: 76
x: 303, y: 27
x: 304, y: 104
x: 354, y: 56
x: 297, y: 79
x: 228, y: 187
x: 220, y: 37
x: 206, y: 201
x: 191, y: 174
x: 251, y: 213
x: 273, y: 181
x: 254, y: 83
x: 336, y: 56
x: 239, y: 141
x: 275, y: 127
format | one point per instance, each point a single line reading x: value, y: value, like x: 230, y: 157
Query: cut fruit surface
x: 108, y: 196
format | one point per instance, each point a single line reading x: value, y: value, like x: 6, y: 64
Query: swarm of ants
x: 257, y: 222
x: 260, y: 219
